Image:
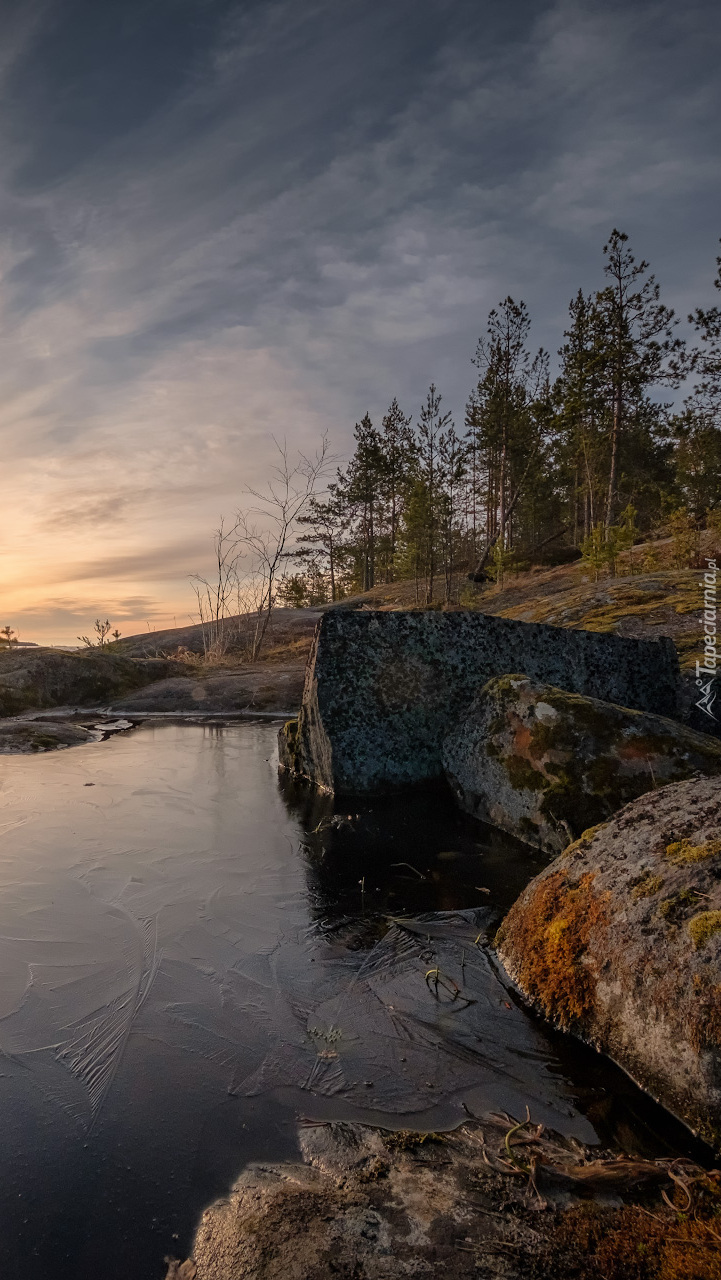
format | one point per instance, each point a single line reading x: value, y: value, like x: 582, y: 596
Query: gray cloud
x: 301, y: 212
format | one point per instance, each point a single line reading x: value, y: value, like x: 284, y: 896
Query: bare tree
x: 215, y: 595
x: 234, y: 606
x: 265, y: 532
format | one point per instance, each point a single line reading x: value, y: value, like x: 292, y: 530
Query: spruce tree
x: 328, y: 522
x: 581, y: 422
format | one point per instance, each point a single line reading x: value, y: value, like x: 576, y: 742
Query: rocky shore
x: 501, y: 1200
x: 618, y: 940
x: 45, y: 693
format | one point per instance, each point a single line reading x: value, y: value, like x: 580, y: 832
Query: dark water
x: 194, y: 956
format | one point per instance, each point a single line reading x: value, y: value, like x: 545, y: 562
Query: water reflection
x: 412, y: 853
x: 192, y: 955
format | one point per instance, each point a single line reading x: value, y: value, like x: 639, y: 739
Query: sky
x: 224, y: 223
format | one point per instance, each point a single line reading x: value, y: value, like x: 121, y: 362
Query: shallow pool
x: 195, y: 957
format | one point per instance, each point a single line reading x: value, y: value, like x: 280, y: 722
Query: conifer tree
x: 706, y: 360
x: 362, y: 489
x: 502, y: 426
x: 431, y: 426
x: 581, y: 420
x: 452, y: 452
x: 324, y: 547
x: 639, y: 350
x: 697, y: 428
x: 398, y: 461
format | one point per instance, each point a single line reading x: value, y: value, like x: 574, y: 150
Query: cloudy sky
x: 225, y: 220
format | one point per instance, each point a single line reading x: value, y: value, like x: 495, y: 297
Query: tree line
x: 583, y: 463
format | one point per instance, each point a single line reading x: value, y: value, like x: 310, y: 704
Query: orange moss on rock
x: 545, y: 940
x: 630, y: 1244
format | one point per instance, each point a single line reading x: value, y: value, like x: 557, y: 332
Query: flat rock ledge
x: 382, y: 689
x: 24, y: 737
x: 544, y: 764
x: 38, y: 678
x: 499, y: 1199
x: 619, y: 941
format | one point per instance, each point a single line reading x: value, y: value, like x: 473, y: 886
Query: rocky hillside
x: 290, y: 629
x: 653, y: 599
x: 664, y: 602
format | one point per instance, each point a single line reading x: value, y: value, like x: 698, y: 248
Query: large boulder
x: 545, y: 764
x: 382, y: 689
x: 619, y: 941
x: 37, y: 678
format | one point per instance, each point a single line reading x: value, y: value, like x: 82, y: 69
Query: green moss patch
x: 704, y: 926
x: 673, y: 910
x: 647, y: 887
x: 681, y: 852
x: 522, y: 775
x: 584, y: 839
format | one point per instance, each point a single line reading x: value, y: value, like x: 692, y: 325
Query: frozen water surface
x: 194, y: 955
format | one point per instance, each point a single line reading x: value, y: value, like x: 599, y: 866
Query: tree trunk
x: 615, y: 432
x: 478, y: 573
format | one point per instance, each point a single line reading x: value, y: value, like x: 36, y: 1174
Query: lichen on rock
x: 382, y: 690
x: 545, y: 764
x: 596, y: 948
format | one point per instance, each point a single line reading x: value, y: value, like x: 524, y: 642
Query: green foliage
x: 591, y: 461
x: 685, y: 538
x: 502, y: 562
x: 303, y: 590
x: 594, y: 551
x: 698, y: 460
x: 601, y: 549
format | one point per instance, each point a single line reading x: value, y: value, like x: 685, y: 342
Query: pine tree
x: 398, y: 462
x: 328, y: 521
x: 706, y: 360
x: 361, y: 488
x: 638, y: 349
x: 452, y: 452
x: 503, y: 429
x: 431, y: 426
x: 580, y: 420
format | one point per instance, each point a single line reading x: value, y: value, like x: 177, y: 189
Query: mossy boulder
x: 32, y: 679
x: 619, y: 942
x: 546, y: 764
